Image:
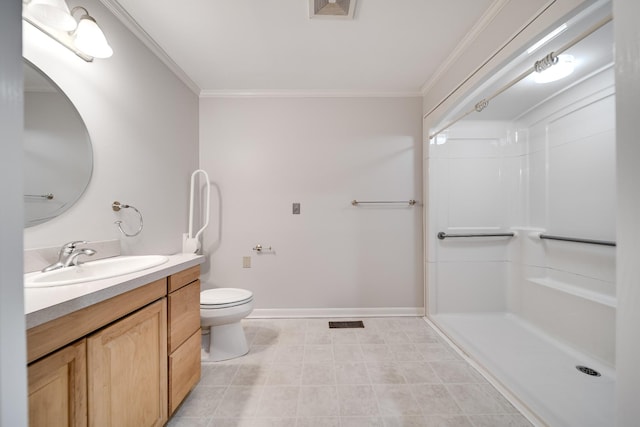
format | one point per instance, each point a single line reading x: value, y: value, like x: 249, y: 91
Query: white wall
x: 143, y: 123
x: 263, y: 154
x: 13, y: 373
x: 627, y: 36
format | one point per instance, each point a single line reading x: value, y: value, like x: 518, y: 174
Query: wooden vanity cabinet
x: 104, y: 365
x: 126, y: 361
x: 184, y: 337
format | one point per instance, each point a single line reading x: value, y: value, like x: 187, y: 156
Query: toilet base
x: 226, y: 342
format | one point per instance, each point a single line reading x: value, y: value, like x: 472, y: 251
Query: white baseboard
x: 265, y: 313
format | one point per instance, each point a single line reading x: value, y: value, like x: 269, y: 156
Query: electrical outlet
x: 296, y: 209
x: 246, y: 262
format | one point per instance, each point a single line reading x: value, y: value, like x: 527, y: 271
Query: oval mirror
x: 58, y: 159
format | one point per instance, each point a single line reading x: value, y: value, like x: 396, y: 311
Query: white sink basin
x: 93, y: 270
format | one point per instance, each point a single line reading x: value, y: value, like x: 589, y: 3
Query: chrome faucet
x: 72, y: 260
x: 68, y: 255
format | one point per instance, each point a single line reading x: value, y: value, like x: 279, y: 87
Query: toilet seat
x: 224, y: 297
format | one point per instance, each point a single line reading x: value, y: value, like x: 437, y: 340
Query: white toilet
x: 221, y: 311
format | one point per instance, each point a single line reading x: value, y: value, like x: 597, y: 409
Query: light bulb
x: 89, y: 39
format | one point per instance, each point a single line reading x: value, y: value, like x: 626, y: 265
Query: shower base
x: 539, y: 371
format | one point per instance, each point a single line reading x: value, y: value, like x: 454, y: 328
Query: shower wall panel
x: 553, y: 171
x: 582, y: 171
x: 568, y: 289
x: 471, y: 186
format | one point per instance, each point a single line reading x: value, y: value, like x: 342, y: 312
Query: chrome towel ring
x: 116, y: 206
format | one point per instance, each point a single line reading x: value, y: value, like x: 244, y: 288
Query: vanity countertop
x: 48, y: 303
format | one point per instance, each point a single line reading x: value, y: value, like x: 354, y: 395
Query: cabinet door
x: 58, y: 388
x: 127, y: 370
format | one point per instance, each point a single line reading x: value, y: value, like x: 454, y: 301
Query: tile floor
x: 299, y: 373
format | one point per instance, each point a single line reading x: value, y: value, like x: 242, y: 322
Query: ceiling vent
x: 341, y: 9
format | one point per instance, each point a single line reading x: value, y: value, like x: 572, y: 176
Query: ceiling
x: 256, y: 46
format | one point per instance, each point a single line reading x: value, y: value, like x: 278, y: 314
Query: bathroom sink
x: 93, y: 270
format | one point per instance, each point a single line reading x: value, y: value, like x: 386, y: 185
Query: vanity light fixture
x: 76, y: 30
x: 52, y: 13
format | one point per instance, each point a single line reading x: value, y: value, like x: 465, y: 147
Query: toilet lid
x: 221, y: 296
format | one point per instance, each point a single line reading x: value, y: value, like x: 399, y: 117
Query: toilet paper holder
x: 259, y: 248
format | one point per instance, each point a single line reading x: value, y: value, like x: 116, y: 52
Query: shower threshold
x: 540, y: 372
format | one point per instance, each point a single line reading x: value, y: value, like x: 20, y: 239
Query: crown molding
x: 475, y: 31
x: 304, y: 94
x: 123, y: 16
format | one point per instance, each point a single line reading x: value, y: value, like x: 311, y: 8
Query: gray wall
x: 143, y: 123
x: 263, y: 154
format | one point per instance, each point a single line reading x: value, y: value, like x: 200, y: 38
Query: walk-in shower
x: 521, y: 225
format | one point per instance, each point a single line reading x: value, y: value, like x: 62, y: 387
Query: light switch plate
x: 296, y: 209
x: 246, y: 262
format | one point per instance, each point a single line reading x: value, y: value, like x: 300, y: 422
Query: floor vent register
x: 346, y: 324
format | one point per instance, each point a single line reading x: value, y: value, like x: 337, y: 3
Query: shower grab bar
x: 577, y: 240
x: 191, y: 243
x: 410, y: 202
x: 442, y: 235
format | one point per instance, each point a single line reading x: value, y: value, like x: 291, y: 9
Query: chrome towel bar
x: 577, y: 240
x: 409, y: 202
x: 48, y: 196
x: 442, y: 235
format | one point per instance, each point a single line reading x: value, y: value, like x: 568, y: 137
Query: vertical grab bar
x: 191, y: 243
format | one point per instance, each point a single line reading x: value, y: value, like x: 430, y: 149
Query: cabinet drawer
x: 184, y: 370
x: 184, y: 314
x: 178, y: 280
